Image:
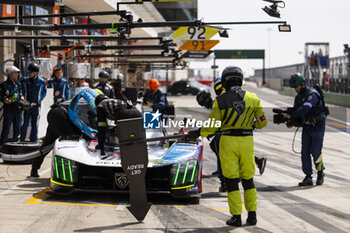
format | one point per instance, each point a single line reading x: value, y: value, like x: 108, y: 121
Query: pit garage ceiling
x: 146, y: 11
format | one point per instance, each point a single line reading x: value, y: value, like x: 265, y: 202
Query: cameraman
x: 10, y: 94
x: 308, y: 105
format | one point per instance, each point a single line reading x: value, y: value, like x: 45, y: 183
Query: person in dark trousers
x: 308, y: 105
x: 59, y: 124
x: 34, y: 90
x: 60, y: 85
x: 239, y: 112
x: 10, y: 95
x: 104, y: 86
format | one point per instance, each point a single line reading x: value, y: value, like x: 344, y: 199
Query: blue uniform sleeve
x: 67, y: 91
x: 20, y: 89
x: 24, y: 91
x: 50, y: 84
x: 43, y: 91
x: 310, y: 101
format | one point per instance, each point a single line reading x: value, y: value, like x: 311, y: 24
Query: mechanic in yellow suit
x: 239, y: 112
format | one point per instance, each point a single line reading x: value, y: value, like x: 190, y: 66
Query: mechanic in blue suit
x: 34, y: 90
x: 308, y: 105
x: 60, y: 85
x: 155, y: 98
x: 10, y: 95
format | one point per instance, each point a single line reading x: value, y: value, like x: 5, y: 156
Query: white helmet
x: 12, y: 69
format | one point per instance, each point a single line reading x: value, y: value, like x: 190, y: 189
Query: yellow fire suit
x: 236, y: 149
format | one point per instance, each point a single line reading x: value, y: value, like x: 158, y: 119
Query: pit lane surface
x: 282, y: 205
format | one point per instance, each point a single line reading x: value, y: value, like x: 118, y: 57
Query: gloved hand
x: 194, y: 134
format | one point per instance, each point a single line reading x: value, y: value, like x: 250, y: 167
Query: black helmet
x: 99, y: 99
x: 232, y: 76
x: 33, y: 67
x: 103, y: 74
x: 296, y: 80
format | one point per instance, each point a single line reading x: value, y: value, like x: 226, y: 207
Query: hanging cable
x: 294, y: 141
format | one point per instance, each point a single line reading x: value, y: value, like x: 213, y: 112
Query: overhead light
x: 284, y: 28
x: 272, y: 10
x: 223, y: 33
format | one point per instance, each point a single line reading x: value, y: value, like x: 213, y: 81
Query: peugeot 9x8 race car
x: 174, y: 167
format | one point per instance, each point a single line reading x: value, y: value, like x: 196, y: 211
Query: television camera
x: 280, y: 117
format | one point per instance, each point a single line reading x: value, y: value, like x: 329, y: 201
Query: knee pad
x: 248, y: 184
x: 232, y: 184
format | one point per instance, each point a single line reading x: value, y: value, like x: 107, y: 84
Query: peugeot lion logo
x: 121, y: 180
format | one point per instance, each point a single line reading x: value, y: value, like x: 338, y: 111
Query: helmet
x: 12, y: 69
x: 296, y: 80
x: 98, y: 91
x: 33, y: 67
x: 103, y: 74
x: 231, y: 76
x: 218, y: 86
x: 120, y: 76
x: 153, y: 84
x: 99, y: 98
x: 204, y: 99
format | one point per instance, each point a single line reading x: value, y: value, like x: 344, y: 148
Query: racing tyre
x: 17, y: 148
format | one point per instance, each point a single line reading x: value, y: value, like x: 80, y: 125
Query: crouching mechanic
x: 63, y: 122
x: 154, y: 97
x: 236, y: 109
x: 309, y: 105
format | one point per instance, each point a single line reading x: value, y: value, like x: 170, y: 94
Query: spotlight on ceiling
x: 272, y: 10
x: 223, y: 33
x: 284, y: 28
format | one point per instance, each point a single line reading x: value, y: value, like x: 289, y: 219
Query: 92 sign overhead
x: 194, y: 33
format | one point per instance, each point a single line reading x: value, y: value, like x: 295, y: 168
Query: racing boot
x: 307, y: 181
x: 251, y: 220
x: 33, y: 174
x: 222, y: 188
x: 320, y: 176
x: 261, y: 165
x: 235, y: 221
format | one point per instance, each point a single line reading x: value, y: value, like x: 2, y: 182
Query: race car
x: 175, y: 169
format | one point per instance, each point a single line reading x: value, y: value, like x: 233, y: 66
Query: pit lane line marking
x: 38, y: 196
x: 34, y: 200
x: 16, y: 186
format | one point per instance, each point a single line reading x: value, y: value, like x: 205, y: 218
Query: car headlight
x: 64, y: 170
x: 184, y: 173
